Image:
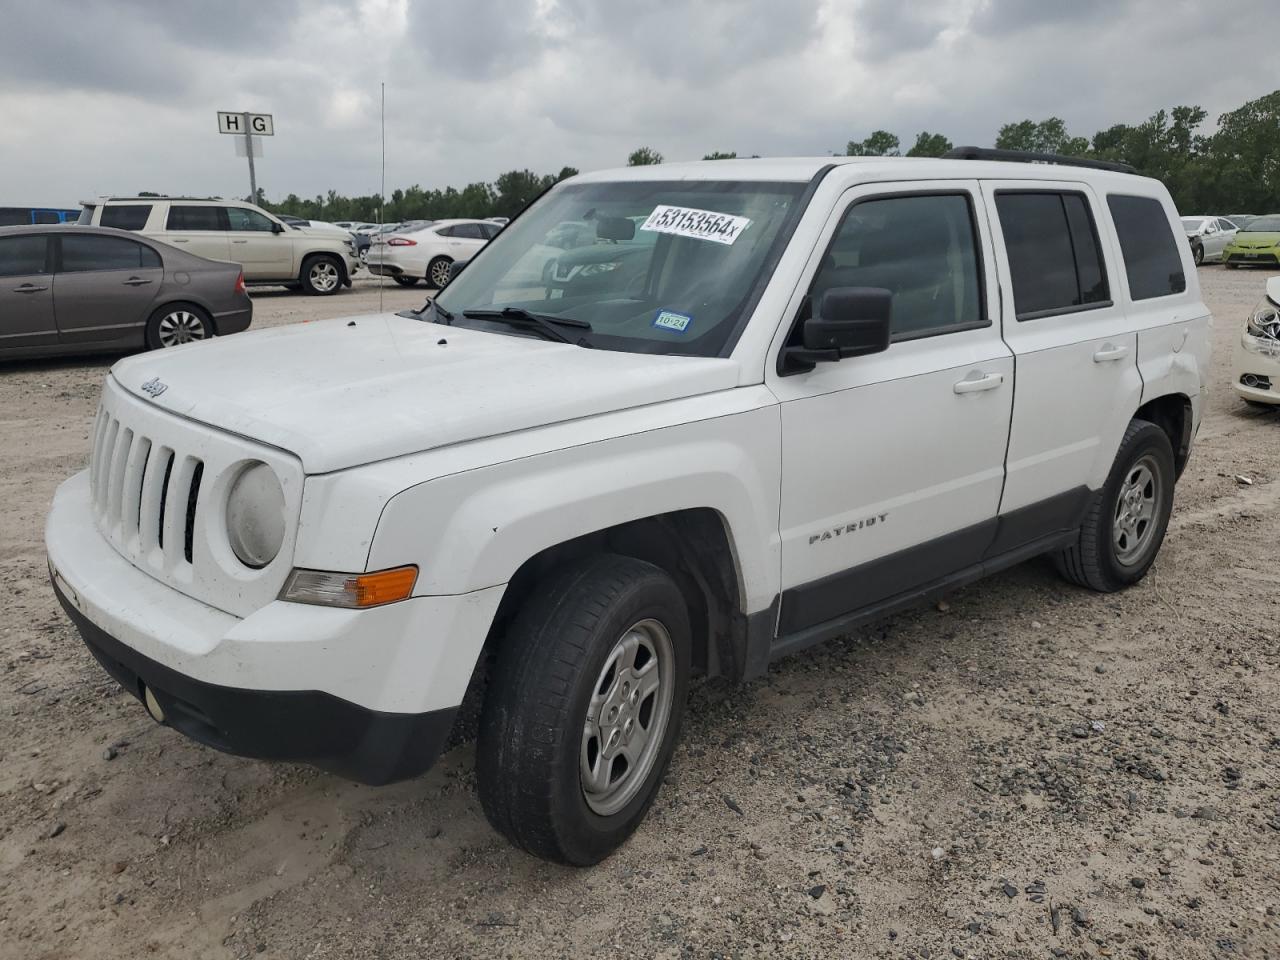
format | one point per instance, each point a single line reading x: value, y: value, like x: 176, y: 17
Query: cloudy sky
x: 120, y: 96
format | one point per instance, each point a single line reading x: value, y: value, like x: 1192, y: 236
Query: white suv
x: 319, y: 261
x: 774, y: 400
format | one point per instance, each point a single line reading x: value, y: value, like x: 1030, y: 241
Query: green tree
x: 720, y: 155
x: 930, y: 145
x: 1045, y: 136
x: 1246, y: 155
x: 643, y: 157
x: 881, y: 143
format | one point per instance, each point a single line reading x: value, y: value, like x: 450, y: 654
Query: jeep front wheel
x: 1126, y: 520
x: 321, y: 274
x: 583, y: 709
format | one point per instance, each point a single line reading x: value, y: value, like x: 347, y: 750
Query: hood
x: 340, y: 393
x: 1249, y: 240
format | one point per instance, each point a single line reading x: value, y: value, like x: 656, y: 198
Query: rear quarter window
x: 132, y: 216
x: 1152, y: 258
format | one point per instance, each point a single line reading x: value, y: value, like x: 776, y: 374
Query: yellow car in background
x: 1257, y: 243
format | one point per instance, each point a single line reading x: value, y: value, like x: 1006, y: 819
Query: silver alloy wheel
x: 324, y: 275
x: 181, y: 326
x: 1137, y: 507
x: 439, y: 273
x: 627, y: 717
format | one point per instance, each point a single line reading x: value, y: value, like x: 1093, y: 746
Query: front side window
x: 241, y: 219
x: 923, y: 249
x: 661, y: 266
x: 188, y: 218
x: 130, y: 216
x: 22, y: 256
x: 1152, y: 259
x: 81, y: 253
x: 1055, y: 258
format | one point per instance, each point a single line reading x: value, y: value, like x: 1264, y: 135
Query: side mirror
x: 848, y: 322
x: 456, y: 268
x: 277, y: 227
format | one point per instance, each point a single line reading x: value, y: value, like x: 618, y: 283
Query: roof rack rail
x: 1026, y: 156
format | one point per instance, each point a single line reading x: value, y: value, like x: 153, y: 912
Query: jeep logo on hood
x: 154, y: 387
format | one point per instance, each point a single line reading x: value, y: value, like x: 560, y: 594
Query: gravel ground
x: 1026, y: 770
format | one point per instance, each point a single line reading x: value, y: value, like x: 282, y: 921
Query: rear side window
x: 1152, y: 259
x: 923, y: 249
x: 22, y: 256
x: 132, y: 216
x: 1054, y: 255
x: 195, y: 218
x: 81, y: 253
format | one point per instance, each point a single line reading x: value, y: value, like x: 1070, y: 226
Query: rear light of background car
x: 401, y: 242
x: 240, y: 283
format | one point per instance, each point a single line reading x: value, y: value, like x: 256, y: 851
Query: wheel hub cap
x: 627, y: 717
x: 181, y: 326
x: 1136, y: 510
x: 324, y: 276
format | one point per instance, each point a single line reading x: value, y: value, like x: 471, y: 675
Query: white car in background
x: 1209, y: 236
x: 428, y: 253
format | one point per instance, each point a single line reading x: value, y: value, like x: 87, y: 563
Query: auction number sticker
x: 698, y: 224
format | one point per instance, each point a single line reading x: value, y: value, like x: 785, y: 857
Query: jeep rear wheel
x: 583, y: 709
x: 1126, y: 520
x: 322, y: 274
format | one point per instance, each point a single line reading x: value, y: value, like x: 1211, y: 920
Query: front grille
x: 145, y: 494
x: 159, y: 482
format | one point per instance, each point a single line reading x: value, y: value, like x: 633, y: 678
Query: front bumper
x: 368, y: 694
x: 1261, y: 257
x: 1255, y: 375
x: 360, y: 744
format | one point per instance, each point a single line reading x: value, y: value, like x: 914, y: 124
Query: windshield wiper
x: 545, y: 324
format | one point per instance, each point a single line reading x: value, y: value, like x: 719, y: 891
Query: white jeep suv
x: 317, y: 260
x: 773, y: 400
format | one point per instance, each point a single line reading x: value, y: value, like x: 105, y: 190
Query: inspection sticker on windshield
x: 698, y: 224
x: 670, y: 320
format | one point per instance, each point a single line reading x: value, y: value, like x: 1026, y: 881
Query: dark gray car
x: 71, y: 289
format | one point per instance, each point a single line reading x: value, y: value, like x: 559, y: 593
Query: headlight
x: 1264, y: 322
x: 255, y: 516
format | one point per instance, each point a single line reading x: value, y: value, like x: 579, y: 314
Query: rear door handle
x: 29, y: 288
x: 239, y: 241
x: 179, y: 240
x: 135, y: 282
x: 1111, y: 352
x: 978, y: 381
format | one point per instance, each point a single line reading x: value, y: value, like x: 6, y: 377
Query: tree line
x: 1235, y: 168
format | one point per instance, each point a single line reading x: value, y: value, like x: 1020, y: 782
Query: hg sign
x: 252, y: 124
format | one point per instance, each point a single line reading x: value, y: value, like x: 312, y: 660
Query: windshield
x: 1263, y: 225
x: 652, y: 266
x: 1191, y: 224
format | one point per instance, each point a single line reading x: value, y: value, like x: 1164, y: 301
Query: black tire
x: 405, y: 280
x: 1229, y: 265
x: 532, y: 738
x: 322, y: 275
x: 438, y: 272
x: 1095, y: 560
x: 1197, y: 253
x: 178, y: 323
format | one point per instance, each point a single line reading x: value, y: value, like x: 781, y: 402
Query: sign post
x: 247, y: 125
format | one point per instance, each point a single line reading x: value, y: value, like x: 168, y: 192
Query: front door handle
x: 179, y: 240
x: 135, y: 282
x: 29, y: 288
x: 1111, y: 352
x: 239, y: 241
x: 978, y: 381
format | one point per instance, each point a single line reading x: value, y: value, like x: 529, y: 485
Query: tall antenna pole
x: 382, y: 195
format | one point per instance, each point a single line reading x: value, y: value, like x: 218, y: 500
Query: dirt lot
x: 1027, y: 771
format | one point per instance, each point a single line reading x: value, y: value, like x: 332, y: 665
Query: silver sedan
x: 71, y: 289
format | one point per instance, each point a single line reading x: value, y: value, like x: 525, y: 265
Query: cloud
x: 125, y: 99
